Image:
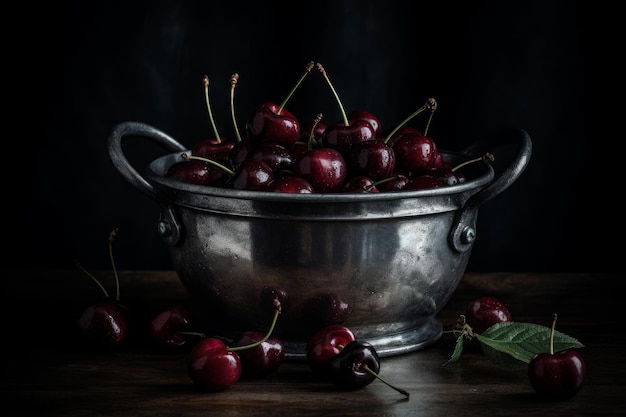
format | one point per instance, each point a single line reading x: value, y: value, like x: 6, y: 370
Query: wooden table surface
x: 48, y: 369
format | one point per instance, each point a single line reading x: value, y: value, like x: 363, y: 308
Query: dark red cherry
x: 557, y: 376
x: 276, y: 156
x: 270, y: 124
x: 341, y: 137
x: 349, y: 368
x: 324, y: 168
x: 403, y: 130
x: 214, y: 149
x: 360, y: 184
x: 166, y: 328
x: 240, y: 152
x: 316, y: 128
x: 325, y: 309
x: 396, y: 182
x: 325, y: 344
x: 423, y: 182
x: 105, y: 323
x: 416, y: 153
x: 262, y: 360
x: 301, y: 147
x: 253, y: 174
x: 291, y: 185
x: 195, y: 172
x: 369, y: 117
x: 445, y: 175
x: 212, y: 366
x: 372, y: 158
x: 481, y: 313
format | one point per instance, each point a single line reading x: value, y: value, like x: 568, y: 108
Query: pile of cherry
x: 353, y: 155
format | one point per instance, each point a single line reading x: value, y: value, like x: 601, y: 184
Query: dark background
x: 86, y: 66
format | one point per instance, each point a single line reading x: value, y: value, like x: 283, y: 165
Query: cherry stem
x: 205, y: 83
x: 485, y: 157
x: 400, y: 390
x: 117, y: 278
x: 233, y: 82
x: 464, y: 328
x: 433, y: 107
x: 341, y: 108
x: 89, y: 274
x: 309, y: 67
x: 267, y: 335
x: 316, y: 121
x: 429, y: 103
x: 199, y: 334
x: 382, y: 181
x: 209, y: 161
x: 552, y: 334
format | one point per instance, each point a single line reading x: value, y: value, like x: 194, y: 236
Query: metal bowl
x: 382, y: 264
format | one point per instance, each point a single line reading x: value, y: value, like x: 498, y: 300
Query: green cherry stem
x: 380, y: 378
x: 205, y: 83
x: 341, y: 108
x: 209, y: 161
x: 199, y: 334
x: 267, y: 335
x: 552, y: 334
x: 400, y: 390
x: 233, y: 82
x: 90, y: 275
x: 311, y: 140
x: 428, y: 105
x: 117, y: 279
x: 309, y: 67
x: 432, y: 106
x: 379, y: 182
x: 486, y: 156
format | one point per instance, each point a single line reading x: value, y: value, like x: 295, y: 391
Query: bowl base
x: 407, y: 341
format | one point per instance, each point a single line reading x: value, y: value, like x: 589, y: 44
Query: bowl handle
x: 463, y: 232
x: 169, y: 227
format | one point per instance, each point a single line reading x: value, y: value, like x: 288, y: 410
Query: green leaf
x: 458, y: 349
x: 500, y: 358
x: 522, y: 341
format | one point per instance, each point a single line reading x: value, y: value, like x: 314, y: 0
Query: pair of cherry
x: 335, y: 354
x: 553, y: 375
x: 213, y: 363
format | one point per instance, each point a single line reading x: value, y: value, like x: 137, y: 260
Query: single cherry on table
x: 105, y: 322
x: 212, y: 366
x: 168, y: 327
x: 557, y: 376
x: 483, y: 312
